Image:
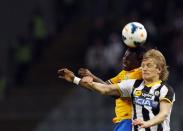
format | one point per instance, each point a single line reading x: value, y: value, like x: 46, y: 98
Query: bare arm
x: 87, y: 82
x: 85, y: 72
x: 111, y: 90
x: 165, y: 108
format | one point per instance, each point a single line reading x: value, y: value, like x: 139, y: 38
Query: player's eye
x: 150, y: 65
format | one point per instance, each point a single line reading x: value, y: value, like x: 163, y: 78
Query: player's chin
x: 146, y: 76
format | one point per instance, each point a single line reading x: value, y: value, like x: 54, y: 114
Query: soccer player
x: 131, y: 70
x: 152, y: 99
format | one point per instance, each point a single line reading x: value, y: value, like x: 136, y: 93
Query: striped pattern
x: 146, y: 101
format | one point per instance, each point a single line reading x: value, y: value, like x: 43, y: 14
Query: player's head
x: 154, y: 63
x: 132, y: 58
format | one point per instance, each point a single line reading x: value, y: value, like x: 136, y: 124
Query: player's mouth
x: 145, y: 73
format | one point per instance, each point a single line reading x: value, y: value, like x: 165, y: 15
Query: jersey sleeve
x: 125, y: 87
x: 167, y: 93
x: 115, y: 79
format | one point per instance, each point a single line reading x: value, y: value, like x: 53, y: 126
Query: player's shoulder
x: 137, y: 83
x: 168, y: 92
x: 139, y: 69
x: 122, y: 71
x: 168, y: 87
x: 133, y: 82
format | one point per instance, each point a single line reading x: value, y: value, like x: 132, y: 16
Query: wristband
x: 76, y: 80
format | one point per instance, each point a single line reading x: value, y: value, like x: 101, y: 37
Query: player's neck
x: 150, y: 81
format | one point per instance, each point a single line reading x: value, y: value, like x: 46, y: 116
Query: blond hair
x: 160, y: 62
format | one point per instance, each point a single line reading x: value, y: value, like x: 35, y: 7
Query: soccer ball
x: 134, y: 34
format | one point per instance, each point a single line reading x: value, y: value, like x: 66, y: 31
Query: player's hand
x: 84, y: 72
x: 137, y: 122
x: 87, y: 79
x: 141, y: 123
x: 66, y: 74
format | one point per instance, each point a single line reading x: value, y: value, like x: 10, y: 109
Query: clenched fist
x: 66, y: 74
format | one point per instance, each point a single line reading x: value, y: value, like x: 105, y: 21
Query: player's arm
x: 122, y: 89
x: 66, y: 74
x: 165, y: 108
x: 85, y: 72
x: 110, y: 90
x: 87, y: 82
x: 69, y: 76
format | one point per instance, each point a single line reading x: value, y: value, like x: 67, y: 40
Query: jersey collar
x: 154, y: 83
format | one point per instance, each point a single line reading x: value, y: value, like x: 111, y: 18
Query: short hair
x: 139, y: 51
x: 160, y: 62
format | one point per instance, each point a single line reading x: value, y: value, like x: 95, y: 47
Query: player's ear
x: 159, y: 70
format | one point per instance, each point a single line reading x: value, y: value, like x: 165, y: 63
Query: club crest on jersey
x: 156, y: 93
x: 138, y: 93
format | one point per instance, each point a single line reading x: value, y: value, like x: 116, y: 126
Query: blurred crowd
x: 102, y: 48
x: 28, y: 47
x: 163, y: 21
x: 103, y: 55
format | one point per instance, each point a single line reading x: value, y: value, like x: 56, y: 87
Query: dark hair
x: 140, y: 51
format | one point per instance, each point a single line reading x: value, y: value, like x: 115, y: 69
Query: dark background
x: 38, y: 37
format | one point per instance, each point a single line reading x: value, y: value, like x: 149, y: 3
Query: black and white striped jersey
x: 146, y: 101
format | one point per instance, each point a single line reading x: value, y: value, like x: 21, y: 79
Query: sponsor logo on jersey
x: 146, y: 102
x: 140, y: 93
x: 147, y: 95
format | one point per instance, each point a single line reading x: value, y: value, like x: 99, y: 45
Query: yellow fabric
x: 154, y: 83
x: 123, y: 108
x: 166, y: 100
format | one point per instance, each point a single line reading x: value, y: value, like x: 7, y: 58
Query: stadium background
x: 40, y: 36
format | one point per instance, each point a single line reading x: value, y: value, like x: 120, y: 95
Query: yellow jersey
x: 123, y: 108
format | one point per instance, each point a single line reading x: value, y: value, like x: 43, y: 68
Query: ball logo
x: 138, y: 93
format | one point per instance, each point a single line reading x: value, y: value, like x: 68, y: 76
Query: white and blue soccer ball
x: 134, y: 34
